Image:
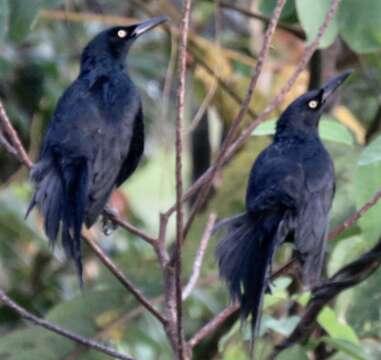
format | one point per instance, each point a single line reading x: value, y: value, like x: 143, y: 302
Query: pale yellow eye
x: 122, y: 33
x: 313, y: 104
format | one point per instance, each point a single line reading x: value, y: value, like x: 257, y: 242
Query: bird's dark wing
x: 313, y: 216
x: 135, y: 151
x: 276, y: 182
x: 120, y: 140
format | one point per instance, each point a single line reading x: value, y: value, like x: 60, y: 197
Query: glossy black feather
x: 94, y: 141
x: 289, y: 195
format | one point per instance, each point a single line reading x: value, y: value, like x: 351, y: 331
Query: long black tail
x: 60, y: 195
x: 244, y: 256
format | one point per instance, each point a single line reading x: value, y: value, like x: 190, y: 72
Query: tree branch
x: 131, y: 228
x: 200, y: 256
x: 349, y: 276
x: 355, y: 216
x: 123, y: 279
x: 213, y: 324
x: 179, y: 179
x: 13, y: 139
x: 7, y: 301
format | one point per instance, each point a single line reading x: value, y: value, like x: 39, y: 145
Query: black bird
x: 289, y: 196
x: 94, y: 140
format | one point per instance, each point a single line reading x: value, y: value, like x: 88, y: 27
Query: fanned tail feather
x: 60, y: 196
x: 244, y: 256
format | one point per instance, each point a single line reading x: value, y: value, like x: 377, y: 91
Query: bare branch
x: 7, y: 301
x: 179, y: 179
x: 13, y: 139
x: 355, y: 216
x: 200, y: 256
x: 7, y: 145
x: 123, y: 279
x: 242, y: 111
x: 225, y: 86
x: 131, y: 228
x: 213, y: 324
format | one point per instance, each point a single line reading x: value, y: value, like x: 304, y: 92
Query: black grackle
x: 289, y: 195
x: 94, y: 140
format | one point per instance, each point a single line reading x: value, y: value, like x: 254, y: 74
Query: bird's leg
x: 269, y: 282
x: 108, y: 224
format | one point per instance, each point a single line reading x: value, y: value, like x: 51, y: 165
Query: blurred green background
x: 40, y: 45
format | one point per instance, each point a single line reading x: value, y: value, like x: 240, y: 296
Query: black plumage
x: 94, y: 140
x: 289, y: 196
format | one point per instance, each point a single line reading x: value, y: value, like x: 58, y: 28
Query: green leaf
x: 282, y: 326
x: 311, y: 15
x: 335, y: 131
x: 335, y: 329
x: 367, y: 182
x: 360, y: 24
x: 294, y: 353
x: 267, y: 7
x: 345, y: 251
x: 372, y: 153
x: 329, y: 130
x: 347, y: 347
x: 23, y: 14
x: 363, y: 310
x: 4, y: 19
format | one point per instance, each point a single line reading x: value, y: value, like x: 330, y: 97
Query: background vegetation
x: 40, y: 44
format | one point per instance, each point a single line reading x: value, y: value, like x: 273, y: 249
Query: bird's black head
x: 304, y: 113
x: 110, y: 47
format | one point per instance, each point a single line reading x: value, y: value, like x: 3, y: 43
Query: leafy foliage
x: 39, y: 57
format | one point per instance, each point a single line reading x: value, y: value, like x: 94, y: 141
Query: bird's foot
x: 108, y: 225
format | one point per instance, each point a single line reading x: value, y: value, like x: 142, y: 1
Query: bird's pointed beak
x: 149, y: 24
x: 331, y: 86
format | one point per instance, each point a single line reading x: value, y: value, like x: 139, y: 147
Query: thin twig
x: 213, y: 324
x: 179, y: 179
x: 200, y: 256
x: 203, y: 107
x: 242, y: 111
x: 355, y: 216
x: 12, y: 138
x: 74, y: 16
x: 212, y: 91
x: 131, y: 228
x: 7, y: 301
x: 110, y: 326
x: 168, y: 80
x: 123, y: 279
x: 7, y: 145
x: 197, y: 57
x: 295, y: 30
